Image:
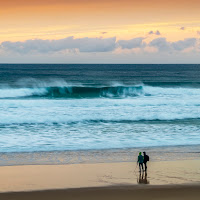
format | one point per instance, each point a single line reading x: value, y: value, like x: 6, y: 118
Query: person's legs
x: 140, y: 166
x: 145, y: 166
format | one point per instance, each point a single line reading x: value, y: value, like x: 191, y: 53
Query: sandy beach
x: 169, y: 179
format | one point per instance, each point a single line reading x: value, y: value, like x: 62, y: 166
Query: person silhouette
x: 146, y: 159
x: 140, y: 161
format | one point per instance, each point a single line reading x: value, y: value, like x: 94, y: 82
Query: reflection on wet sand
x: 142, y: 178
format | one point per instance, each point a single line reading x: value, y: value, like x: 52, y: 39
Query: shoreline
x: 164, y: 153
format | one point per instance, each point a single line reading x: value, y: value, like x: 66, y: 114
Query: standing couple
x: 142, y: 159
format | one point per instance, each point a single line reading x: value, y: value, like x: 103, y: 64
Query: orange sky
x: 53, y: 19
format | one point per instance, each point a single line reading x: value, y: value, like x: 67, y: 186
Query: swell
x: 175, y: 120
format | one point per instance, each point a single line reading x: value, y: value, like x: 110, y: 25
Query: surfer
x: 140, y: 161
x: 146, y: 159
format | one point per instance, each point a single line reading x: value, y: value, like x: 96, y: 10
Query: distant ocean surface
x: 45, y: 108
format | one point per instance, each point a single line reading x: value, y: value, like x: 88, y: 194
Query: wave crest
x: 73, y: 92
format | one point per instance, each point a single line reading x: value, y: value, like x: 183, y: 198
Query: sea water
x: 57, y: 108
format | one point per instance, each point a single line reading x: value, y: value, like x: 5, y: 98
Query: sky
x: 106, y: 31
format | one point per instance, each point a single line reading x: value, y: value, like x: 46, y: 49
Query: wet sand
x: 169, y: 179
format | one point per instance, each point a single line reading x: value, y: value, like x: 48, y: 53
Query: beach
x: 170, y: 179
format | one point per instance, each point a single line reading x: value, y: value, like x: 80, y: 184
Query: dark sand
x: 171, y: 192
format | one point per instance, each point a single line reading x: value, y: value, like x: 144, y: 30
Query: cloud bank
x: 45, y: 46
x: 86, y: 44
x: 101, y: 50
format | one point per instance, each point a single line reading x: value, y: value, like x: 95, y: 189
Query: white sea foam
x: 65, y: 111
x: 21, y: 92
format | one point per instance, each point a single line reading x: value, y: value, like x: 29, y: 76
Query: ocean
x: 52, y: 113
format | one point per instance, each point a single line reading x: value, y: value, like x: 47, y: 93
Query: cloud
x: 198, y: 32
x: 182, y: 28
x: 150, y: 49
x: 161, y: 44
x: 130, y: 44
x: 154, y: 33
x: 96, y: 44
x: 150, y: 32
x: 157, y: 33
x: 184, y: 44
x: 44, y: 46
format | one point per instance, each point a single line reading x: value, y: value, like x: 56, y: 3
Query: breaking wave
x: 94, y: 92
x: 73, y: 92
